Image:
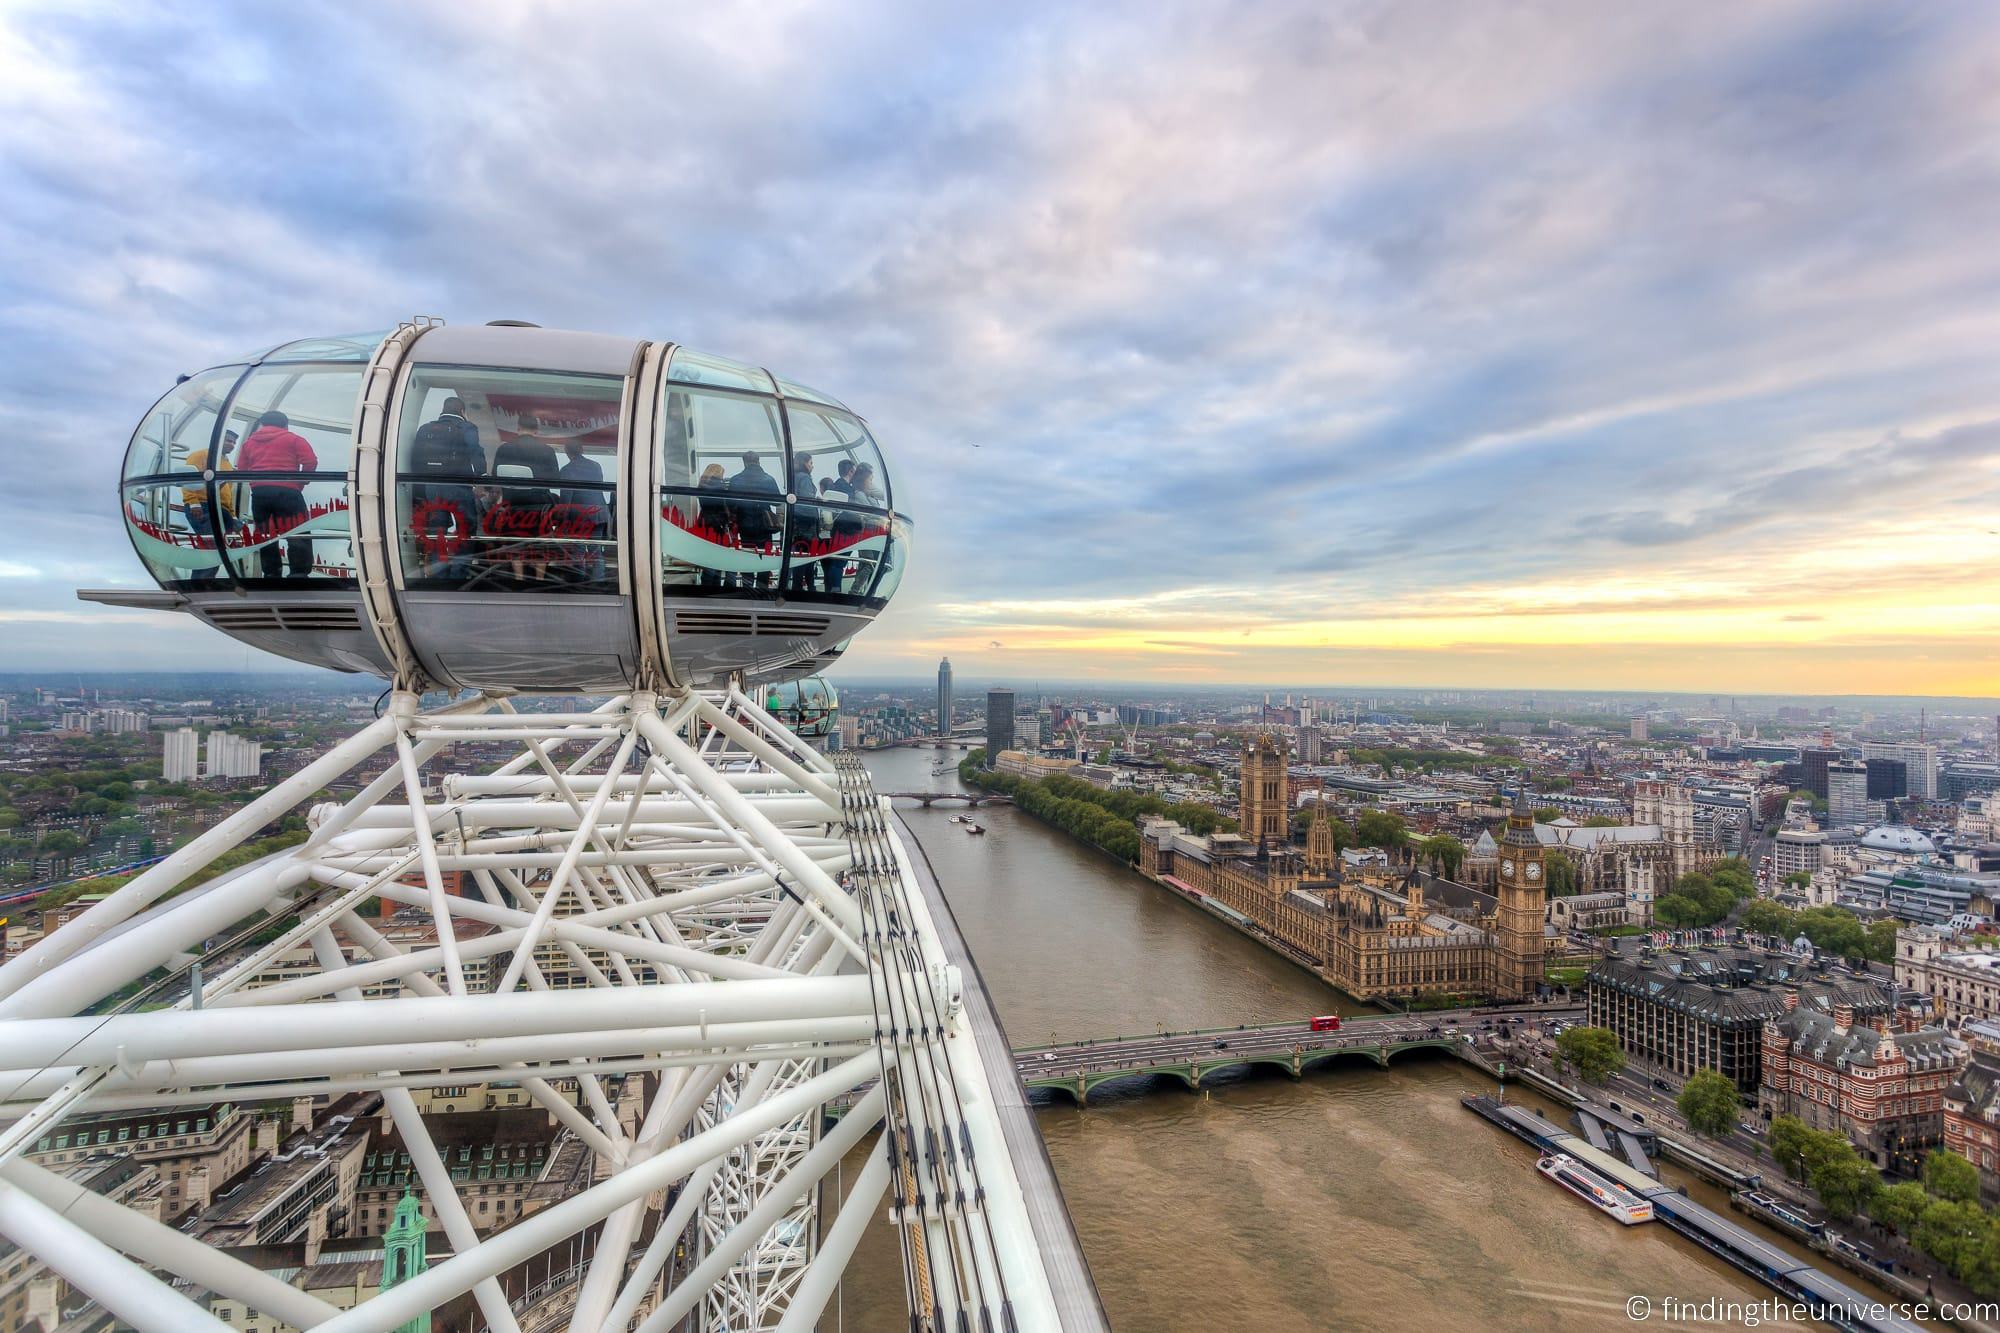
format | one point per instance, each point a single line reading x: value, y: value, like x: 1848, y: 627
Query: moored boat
x: 1604, y: 1195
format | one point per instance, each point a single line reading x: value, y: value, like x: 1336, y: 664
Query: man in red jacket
x: 278, y: 506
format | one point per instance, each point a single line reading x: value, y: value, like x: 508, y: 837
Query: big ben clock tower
x: 1523, y: 889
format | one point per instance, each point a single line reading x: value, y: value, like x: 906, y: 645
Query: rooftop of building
x: 1898, y: 838
x: 1568, y: 833
x: 1820, y: 1038
x: 1737, y: 985
x: 1580, y: 901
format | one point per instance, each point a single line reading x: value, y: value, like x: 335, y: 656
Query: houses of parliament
x: 1371, y: 929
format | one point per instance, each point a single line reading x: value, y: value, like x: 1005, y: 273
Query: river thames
x: 1356, y: 1198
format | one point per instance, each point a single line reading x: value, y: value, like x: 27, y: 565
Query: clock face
x: 1507, y: 869
x: 1534, y: 870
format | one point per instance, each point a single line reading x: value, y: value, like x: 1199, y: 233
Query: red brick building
x: 1882, y: 1087
x: 1972, y: 1108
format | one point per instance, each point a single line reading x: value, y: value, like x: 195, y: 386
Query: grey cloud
x: 1371, y: 300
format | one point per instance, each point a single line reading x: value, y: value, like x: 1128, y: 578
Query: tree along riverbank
x: 1107, y: 820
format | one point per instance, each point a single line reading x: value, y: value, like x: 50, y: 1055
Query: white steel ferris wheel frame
x: 756, y: 957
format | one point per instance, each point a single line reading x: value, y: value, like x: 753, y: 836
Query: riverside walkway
x: 1080, y: 1067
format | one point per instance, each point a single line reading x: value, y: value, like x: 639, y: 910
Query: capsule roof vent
x: 510, y: 324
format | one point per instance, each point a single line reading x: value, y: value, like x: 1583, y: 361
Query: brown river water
x: 1357, y: 1198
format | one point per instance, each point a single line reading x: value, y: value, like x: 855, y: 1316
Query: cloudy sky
x: 1455, y: 344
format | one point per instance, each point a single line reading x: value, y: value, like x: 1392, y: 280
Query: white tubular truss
x: 667, y: 925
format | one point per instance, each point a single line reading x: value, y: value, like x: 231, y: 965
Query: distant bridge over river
x: 929, y: 798
x: 1192, y: 1057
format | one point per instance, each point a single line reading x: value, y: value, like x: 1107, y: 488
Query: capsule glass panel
x: 691, y: 367
x: 317, y: 404
x: 793, y: 389
x: 354, y: 347
x: 174, y: 436
x: 722, y: 469
x: 294, y: 532
x: 170, y: 529
x: 292, y: 431
x: 507, y: 480
x: 895, y: 560
x: 844, y: 463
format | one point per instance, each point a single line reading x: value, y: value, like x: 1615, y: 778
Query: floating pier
x: 1842, y: 1306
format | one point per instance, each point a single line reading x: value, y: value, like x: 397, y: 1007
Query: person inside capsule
x: 277, y: 506
x: 216, y: 523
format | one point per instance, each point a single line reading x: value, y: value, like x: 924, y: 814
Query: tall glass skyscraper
x: 944, y: 697
x: 999, y: 723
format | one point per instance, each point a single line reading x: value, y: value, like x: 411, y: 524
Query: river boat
x: 1594, y: 1189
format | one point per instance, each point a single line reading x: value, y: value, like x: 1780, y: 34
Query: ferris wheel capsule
x: 507, y: 507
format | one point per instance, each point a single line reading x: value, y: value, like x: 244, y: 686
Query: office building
x: 1847, y: 803
x: 999, y: 723
x: 1034, y: 765
x: 1798, y: 848
x: 1968, y: 778
x: 1769, y: 754
x: 1813, y: 762
x: 181, y: 759
x: 1919, y: 760
x: 944, y: 697
x: 1916, y: 890
x: 1963, y: 983
x: 1888, y: 779
x: 1639, y: 727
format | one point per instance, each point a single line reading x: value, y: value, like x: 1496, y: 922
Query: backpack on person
x: 440, y: 447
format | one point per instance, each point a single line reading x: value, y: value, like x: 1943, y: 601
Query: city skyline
x: 1584, y: 350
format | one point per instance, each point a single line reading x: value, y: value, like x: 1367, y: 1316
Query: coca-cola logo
x: 561, y: 522
x: 439, y: 528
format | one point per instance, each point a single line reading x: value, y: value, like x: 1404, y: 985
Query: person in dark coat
x: 755, y: 521
x: 840, y: 486
x: 448, y: 449
x: 585, y: 515
x: 805, y: 521
x: 523, y: 514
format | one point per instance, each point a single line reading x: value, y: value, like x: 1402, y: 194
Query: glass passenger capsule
x: 516, y: 508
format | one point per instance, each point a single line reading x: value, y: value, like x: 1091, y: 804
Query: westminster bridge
x: 1294, y: 1047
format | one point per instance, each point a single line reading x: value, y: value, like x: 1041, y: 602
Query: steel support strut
x: 682, y: 933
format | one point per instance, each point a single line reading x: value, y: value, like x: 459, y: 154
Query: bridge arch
x: 1438, y: 1045
x: 1321, y: 1059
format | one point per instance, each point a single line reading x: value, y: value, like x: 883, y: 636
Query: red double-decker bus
x: 1326, y: 1023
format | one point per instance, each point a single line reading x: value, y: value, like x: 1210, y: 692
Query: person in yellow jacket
x: 194, y: 500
